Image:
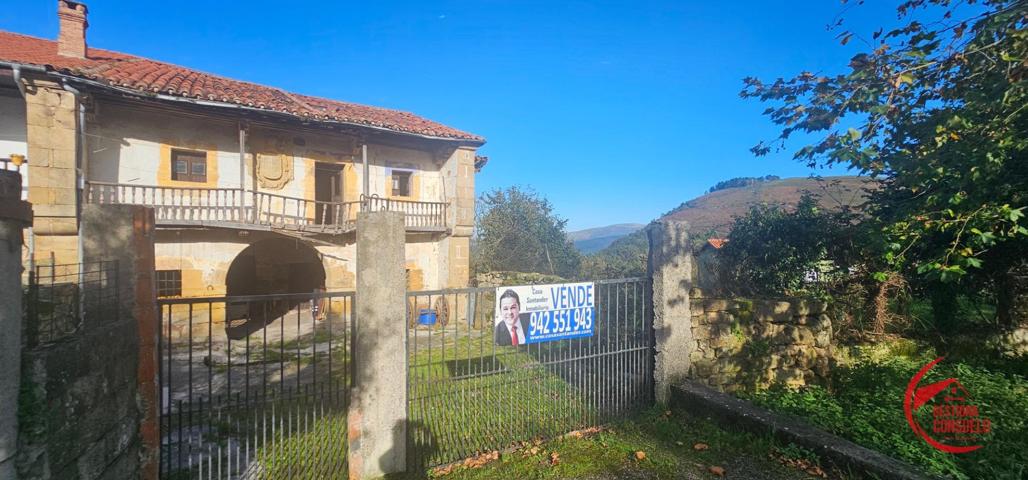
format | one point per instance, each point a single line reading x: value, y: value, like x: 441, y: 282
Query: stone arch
x: 277, y: 265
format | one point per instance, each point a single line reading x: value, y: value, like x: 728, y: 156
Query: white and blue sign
x: 542, y: 313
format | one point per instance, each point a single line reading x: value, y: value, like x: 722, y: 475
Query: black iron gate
x: 255, y: 386
x: 467, y: 396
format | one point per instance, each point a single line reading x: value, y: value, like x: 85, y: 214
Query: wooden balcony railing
x: 280, y: 211
x: 176, y: 204
x: 238, y: 208
x: 417, y: 215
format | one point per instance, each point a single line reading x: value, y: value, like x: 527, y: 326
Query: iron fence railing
x: 255, y: 386
x: 466, y: 395
x: 61, y: 298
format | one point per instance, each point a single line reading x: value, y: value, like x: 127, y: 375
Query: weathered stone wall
x: 88, y: 401
x: 745, y: 344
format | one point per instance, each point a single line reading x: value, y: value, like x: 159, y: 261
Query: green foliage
x: 772, y: 250
x: 518, y: 231
x: 626, y: 257
x: 936, y: 111
x: 742, y: 182
x: 865, y: 406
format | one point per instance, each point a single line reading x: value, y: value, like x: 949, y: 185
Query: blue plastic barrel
x: 426, y: 317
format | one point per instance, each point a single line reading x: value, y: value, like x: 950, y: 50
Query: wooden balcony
x: 242, y: 209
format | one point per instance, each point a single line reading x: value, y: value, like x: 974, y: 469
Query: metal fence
x: 61, y: 298
x: 255, y: 386
x: 467, y: 396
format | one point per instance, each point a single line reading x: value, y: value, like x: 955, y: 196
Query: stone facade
x: 752, y: 343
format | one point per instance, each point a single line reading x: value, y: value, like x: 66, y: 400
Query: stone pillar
x: 14, y: 216
x: 51, y: 133
x: 670, y: 268
x: 459, y: 185
x: 126, y: 233
x: 376, y: 421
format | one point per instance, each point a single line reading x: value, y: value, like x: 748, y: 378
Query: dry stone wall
x: 742, y: 344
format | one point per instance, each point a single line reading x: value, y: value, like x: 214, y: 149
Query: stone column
x: 51, y: 133
x: 376, y: 421
x: 455, y: 249
x: 14, y: 216
x: 670, y: 268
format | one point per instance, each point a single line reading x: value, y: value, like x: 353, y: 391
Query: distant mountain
x: 712, y: 214
x: 594, y: 239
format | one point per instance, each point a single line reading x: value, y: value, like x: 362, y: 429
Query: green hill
x: 594, y: 239
x: 711, y: 215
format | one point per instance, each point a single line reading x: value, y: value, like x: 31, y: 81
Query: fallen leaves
x: 585, y: 432
x: 803, y: 464
x: 554, y: 458
x: 640, y: 455
x: 476, y: 461
x: 699, y: 447
x: 716, y: 470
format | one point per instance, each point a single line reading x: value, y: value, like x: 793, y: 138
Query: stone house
x: 256, y: 190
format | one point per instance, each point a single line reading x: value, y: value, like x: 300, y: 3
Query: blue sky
x: 614, y: 111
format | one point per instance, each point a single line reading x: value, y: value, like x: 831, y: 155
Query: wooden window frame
x: 192, y: 159
x: 409, y: 187
x: 169, y: 283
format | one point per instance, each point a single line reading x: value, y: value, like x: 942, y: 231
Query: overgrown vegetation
x: 863, y: 405
x: 935, y: 110
x: 775, y: 250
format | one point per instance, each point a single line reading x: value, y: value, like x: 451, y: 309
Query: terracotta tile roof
x: 147, y: 76
x: 717, y: 243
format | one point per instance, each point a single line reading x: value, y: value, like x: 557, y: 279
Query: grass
x: 667, y: 444
x: 468, y: 396
x: 864, y: 404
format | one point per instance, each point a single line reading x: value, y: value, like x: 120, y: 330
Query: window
x: 169, y: 283
x: 401, y: 183
x: 188, y: 166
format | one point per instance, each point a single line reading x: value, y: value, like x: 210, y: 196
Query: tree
x: 742, y: 182
x: 774, y: 250
x: 625, y: 257
x: 518, y: 231
x: 938, y: 112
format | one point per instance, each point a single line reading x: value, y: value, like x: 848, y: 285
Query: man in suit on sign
x: 510, y: 327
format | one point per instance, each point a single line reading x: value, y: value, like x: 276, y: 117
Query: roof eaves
x: 72, y: 76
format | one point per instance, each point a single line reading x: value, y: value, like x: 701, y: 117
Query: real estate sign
x: 541, y: 313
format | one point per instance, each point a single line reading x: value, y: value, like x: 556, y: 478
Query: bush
x: 865, y: 406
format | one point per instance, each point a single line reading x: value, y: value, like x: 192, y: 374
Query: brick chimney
x: 71, y: 41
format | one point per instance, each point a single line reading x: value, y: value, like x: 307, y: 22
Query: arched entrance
x: 267, y: 267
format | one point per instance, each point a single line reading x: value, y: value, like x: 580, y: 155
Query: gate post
x: 376, y: 421
x: 14, y: 216
x: 670, y: 269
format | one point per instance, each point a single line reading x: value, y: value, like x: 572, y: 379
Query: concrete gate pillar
x: 376, y: 421
x: 670, y: 268
x: 14, y: 216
